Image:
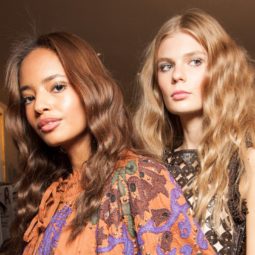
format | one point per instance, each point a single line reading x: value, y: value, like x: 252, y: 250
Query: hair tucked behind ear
x: 228, y: 108
x: 107, y: 121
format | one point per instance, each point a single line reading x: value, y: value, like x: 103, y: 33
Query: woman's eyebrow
x: 45, y: 80
x: 189, y: 54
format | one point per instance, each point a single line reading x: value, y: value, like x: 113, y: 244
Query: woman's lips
x: 48, y: 124
x: 180, y: 94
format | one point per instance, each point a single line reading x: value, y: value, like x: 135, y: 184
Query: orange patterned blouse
x: 143, y: 211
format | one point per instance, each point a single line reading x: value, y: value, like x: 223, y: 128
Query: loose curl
x: 228, y: 109
x: 107, y: 121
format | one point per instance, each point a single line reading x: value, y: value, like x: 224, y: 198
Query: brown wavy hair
x: 228, y: 109
x: 107, y: 121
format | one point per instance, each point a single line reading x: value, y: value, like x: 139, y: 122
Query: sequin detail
x: 184, y: 165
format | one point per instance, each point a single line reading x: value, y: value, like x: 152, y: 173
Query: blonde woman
x: 197, y: 113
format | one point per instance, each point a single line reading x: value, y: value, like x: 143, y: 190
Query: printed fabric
x: 143, y: 212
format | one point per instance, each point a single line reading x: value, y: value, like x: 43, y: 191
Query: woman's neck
x: 79, y: 152
x: 192, y: 132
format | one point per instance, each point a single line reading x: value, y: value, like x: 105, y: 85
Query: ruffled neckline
x: 61, y: 192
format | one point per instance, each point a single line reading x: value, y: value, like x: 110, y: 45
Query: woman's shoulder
x: 139, y: 170
x: 134, y: 161
x: 249, y: 163
x: 141, y: 178
x: 251, y: 157
x: 143, y: 202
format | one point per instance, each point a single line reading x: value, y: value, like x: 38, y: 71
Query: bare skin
x: 53, y: 107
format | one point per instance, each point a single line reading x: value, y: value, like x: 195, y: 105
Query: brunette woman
x: 84, y: 189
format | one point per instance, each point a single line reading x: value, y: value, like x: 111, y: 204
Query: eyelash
x: 195, y: 61
x: 56, y: 88
x: 198, y: 61
x: 163, y: 66
x: 27, y: 99
x: 59, y: 87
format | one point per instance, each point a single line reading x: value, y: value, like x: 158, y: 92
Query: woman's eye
x: 27, y: 99
x: 165, y: 67
x: 58, y: 88
x: 196, y: 62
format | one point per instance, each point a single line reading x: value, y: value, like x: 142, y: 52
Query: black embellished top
x: 184, y: 166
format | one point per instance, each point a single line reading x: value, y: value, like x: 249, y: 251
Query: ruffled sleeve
x: 145, y: 212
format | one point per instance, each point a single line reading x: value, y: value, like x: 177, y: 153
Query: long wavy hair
x: 228, y: 109
x: 107, y: 121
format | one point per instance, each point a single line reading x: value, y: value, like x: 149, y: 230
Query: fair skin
x: 53, y: 107
x: 250, y: 198
x: 182, y: 69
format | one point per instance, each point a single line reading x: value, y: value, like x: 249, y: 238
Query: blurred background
x: 119, y: 30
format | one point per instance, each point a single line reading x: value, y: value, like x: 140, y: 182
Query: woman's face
x: 53, y: 108
x: 181, y: 69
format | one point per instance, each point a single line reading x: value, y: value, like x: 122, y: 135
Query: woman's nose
x: 42, y: 103
x: 178, y: 73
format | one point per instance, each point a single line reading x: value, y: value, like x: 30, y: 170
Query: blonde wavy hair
x: 228, y: 109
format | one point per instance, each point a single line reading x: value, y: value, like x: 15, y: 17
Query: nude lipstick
x: 48, y: 124
x: 180, y: 94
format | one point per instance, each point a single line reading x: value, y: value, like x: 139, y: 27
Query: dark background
x: 118, y: 29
